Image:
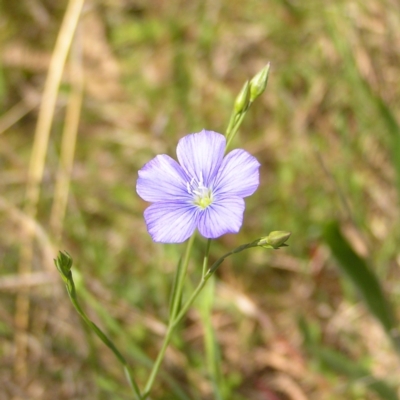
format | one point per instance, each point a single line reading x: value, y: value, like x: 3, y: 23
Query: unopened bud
x: 274, y: 240
x: 242, y: 101
x: 63, y: 263
x: 258, y: 83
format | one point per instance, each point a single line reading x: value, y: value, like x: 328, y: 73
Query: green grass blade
x: 213, y: 354
x: 363, y: 278
x: 394, y: 131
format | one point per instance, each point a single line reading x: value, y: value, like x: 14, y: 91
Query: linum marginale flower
x: 204, y: 191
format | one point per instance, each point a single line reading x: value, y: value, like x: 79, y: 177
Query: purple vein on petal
x: 223, y: 216
x: 162, y: 179
x: 238, y: 175
x: 172, y: 222
x: 201, y: 154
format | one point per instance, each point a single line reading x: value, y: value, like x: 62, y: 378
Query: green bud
x: 258, y: 83
x: 242, y: 101
x: 274, y: 240
x: 63, y: 263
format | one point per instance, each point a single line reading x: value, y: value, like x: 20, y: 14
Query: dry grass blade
x: 15, y: 282
x: 36, y: 167
x: 15, y: 113
x: 68, y: 144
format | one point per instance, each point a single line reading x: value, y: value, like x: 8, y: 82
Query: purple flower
x: 204, y: 191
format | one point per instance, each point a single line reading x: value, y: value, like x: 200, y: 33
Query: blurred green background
x: 316, y: 320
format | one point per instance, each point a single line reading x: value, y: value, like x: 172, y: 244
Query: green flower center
x: 205, y: 199
x: 202, y: 195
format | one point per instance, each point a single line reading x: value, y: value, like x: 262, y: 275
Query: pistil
x: 203, y: 196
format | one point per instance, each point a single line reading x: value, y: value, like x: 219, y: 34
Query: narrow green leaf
x: 393, y: 128
x: 213, y: 354
x: 363, y: 278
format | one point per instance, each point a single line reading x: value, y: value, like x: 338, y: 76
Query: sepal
x: 258, y: 83
x: 274, y: 240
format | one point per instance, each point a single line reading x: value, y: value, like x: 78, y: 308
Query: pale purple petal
x: 225, y: 215
x: 162, y: 179
x: 171, y: 222
x: 238, y: 175
x: 201, y: 154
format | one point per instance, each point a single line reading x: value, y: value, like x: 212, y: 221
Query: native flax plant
x: 204, y: 192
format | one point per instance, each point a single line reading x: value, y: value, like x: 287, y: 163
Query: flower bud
x: 258, y: 83
x: 63, y: 263
x: 242, y: 101
x: 274, y: 240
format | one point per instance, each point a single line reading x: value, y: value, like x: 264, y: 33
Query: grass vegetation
x: 91, y: 91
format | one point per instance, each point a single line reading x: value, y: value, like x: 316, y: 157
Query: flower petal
x: 223, y: 216
x: 171, y: 222
x: 238, y: 175
x: 162, y: 179
x: 201, y: 154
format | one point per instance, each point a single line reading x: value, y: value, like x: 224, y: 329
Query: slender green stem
x: 205, y: 261
x: 205, y: 278
x: 174, y: 286
x: 158, y: 362
x: 210, y: 343
x: 176, y: 319
x: 175, y: 309
x: 181, y: 279
x: 72, y: 294
x: 238, y: 249
x: 64, y: 264
x: 231, y: 131
x: 190, y: 301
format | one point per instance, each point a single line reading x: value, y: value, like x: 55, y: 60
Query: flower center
x: 202, y: 195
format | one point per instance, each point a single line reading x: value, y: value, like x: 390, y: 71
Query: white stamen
x: 201, y: 193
